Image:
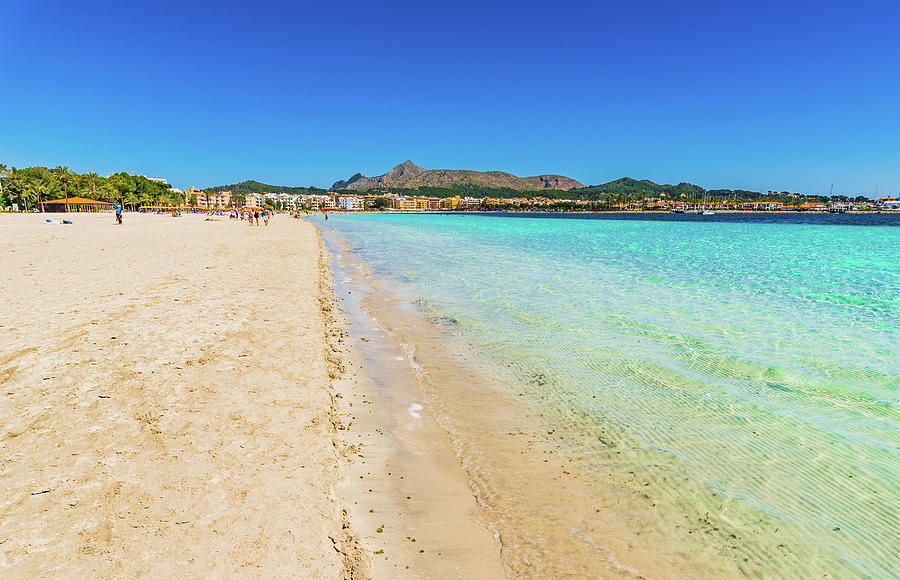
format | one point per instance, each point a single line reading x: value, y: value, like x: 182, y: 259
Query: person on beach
x: 256, y: 217
x: 118, y: 209
x: 266, y: 217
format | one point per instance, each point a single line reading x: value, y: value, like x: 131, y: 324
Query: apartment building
x: 427, y: 203
x: 254, y: 200
x: 350, y: 202
x: 213, y: 200
x: 403, y: 203
x: 288, y: 201
x: 450, y: 203
x: 317, y: 202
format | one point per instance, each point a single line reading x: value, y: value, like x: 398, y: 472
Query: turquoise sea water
x: 762, y: 360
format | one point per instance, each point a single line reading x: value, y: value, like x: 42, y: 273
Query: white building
x: 351, y: 202
x: 317, y: 202
x: 289, y: 201
x: 254, y: 200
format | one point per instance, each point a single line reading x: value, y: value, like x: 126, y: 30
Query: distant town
x: 388, y: 201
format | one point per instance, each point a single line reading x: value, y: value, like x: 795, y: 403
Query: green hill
x: 251, y: 186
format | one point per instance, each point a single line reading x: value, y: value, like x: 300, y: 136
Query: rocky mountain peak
x: 411, y: 176
x: 405, y: 170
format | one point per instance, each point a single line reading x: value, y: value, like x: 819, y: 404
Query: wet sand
x: 409, y: 496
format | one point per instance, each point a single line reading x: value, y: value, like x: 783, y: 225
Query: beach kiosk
x: 76, y: 204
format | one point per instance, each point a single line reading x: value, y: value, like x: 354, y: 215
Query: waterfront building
x: 402, y: 203
x: 450, y: 203
x: 469, y: 202
x: 350, y: 202
x: 317, y: 202
x: 427, y: 203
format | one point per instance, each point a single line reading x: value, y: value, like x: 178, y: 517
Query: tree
x: 3, y: 172
x: 91, y: 179
x: 63, y: 173
x: 15, y: 185
x: 381, y: 203
x: 41, y: 185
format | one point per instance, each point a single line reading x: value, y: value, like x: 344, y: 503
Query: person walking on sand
x: 266, y: 217
x: 118, y: 209
x: 256, y: 216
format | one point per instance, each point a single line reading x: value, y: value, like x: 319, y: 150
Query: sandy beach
x: 168, y: 403
x: 178, y: 400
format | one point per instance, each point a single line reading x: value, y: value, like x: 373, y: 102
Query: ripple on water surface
x: 753, y: 361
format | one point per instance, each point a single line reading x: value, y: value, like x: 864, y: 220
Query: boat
x: 708, y: 212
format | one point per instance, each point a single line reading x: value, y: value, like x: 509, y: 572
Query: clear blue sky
x: 760, y: 95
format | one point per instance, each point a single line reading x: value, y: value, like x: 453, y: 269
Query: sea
x: 678, y: 395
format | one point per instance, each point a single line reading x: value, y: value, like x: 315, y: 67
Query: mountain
x: 408, y: 175
x: 629, y: 186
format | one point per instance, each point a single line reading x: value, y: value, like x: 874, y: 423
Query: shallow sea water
x: 753, y: 364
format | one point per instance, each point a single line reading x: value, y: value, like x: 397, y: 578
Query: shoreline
x: 585, y: 509
x: 408, y: 495
x: 493, y: 451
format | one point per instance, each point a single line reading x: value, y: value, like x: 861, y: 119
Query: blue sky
x: 762, y: 95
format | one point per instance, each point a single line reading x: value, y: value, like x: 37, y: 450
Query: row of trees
x: 29, y: 186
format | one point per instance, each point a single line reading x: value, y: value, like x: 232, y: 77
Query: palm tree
x: 63, y: 173
x: 91, y: 179
x: 40, y: 187
x: 2, y: 175
x: 14, y: 184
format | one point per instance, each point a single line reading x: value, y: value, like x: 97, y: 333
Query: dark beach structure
x: 75, y: 204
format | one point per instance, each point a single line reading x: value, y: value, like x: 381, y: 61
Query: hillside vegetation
x: 250, y: 186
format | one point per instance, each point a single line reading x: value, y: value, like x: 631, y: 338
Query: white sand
x: 166, y: 401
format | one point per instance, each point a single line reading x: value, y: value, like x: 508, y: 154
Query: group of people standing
x: 252, y: 216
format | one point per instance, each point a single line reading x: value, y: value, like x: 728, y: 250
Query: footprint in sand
x: 414, y: 409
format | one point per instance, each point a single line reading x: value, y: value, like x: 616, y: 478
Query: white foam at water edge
x: 397, y: 358
x: 414, y: 409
